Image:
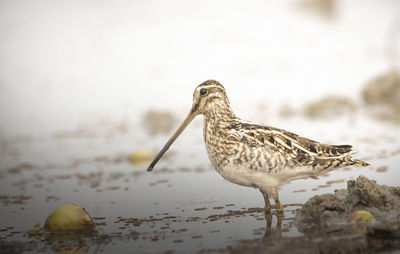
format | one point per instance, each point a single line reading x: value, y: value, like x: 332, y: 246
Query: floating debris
x: 114, y: 188
x: 382, y: 169
x: 335, y: 181
x: 218, y: 207
x: 18, y: 169
x: 14, y: 200
x: 200, y: 201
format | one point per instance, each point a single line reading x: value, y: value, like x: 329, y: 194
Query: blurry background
x: 89, y: 90
x: 64, y: 62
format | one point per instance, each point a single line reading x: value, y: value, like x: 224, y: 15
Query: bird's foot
x: 279, y: 207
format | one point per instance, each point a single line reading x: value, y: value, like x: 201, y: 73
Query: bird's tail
x: 361, y: 163
x: 329, y: 165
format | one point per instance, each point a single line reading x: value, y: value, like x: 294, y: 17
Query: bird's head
x: 208, y: 96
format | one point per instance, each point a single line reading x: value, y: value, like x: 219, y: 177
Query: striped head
x: 210, y: 95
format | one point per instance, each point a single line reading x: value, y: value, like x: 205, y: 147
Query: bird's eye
x: 203, y: 91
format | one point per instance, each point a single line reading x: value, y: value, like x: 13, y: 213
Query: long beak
x: 192, y: 114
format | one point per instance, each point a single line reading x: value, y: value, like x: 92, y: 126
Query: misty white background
x: 64, y: 61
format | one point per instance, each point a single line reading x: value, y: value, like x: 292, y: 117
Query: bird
x: 257, y: 155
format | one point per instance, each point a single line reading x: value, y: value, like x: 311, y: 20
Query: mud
x: 328, y: 222
x: 330, y: 106
x: 382, y: 96
x: 158, y: 122
x: 327, y: 212
x: 324, y: 8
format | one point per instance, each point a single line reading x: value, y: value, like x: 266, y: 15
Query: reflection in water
x: 63, y: 248
x: 270, y: 232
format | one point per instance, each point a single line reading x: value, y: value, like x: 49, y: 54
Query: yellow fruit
x: 360, y: 219
x: 140, y: 158
x: 68, y: 216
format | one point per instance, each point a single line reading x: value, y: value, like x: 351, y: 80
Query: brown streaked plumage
x: 256, y: 155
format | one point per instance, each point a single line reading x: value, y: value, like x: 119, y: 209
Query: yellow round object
x: 68, y: 216
x: 360, y: 219
x: 140, y: 158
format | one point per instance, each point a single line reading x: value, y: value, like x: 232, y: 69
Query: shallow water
x: 183, y: 205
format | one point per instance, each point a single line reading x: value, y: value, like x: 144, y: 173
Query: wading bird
x: 256, y: 155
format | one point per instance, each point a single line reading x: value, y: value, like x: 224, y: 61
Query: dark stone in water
x: 324, y: 213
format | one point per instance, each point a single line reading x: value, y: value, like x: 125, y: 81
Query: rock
x: 318, y: 204
x: 319, y: 211
x: 383, y: 237
x: 330, y: 106
x: 341, y: 194
x: 384, y: 89
x: 68, y: 216
x: 362, y: 202
x: 329, y: 217
x: 365, y: 193
x: 382, y: 95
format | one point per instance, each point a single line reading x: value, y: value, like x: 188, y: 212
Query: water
x: 175, y: 207
x: 74, y: 91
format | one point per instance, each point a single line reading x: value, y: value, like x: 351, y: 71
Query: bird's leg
x: 278, y: 205
x: 268, y: 222
x: 267, y: 207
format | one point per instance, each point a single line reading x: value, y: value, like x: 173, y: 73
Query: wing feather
x: 290, y: 144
